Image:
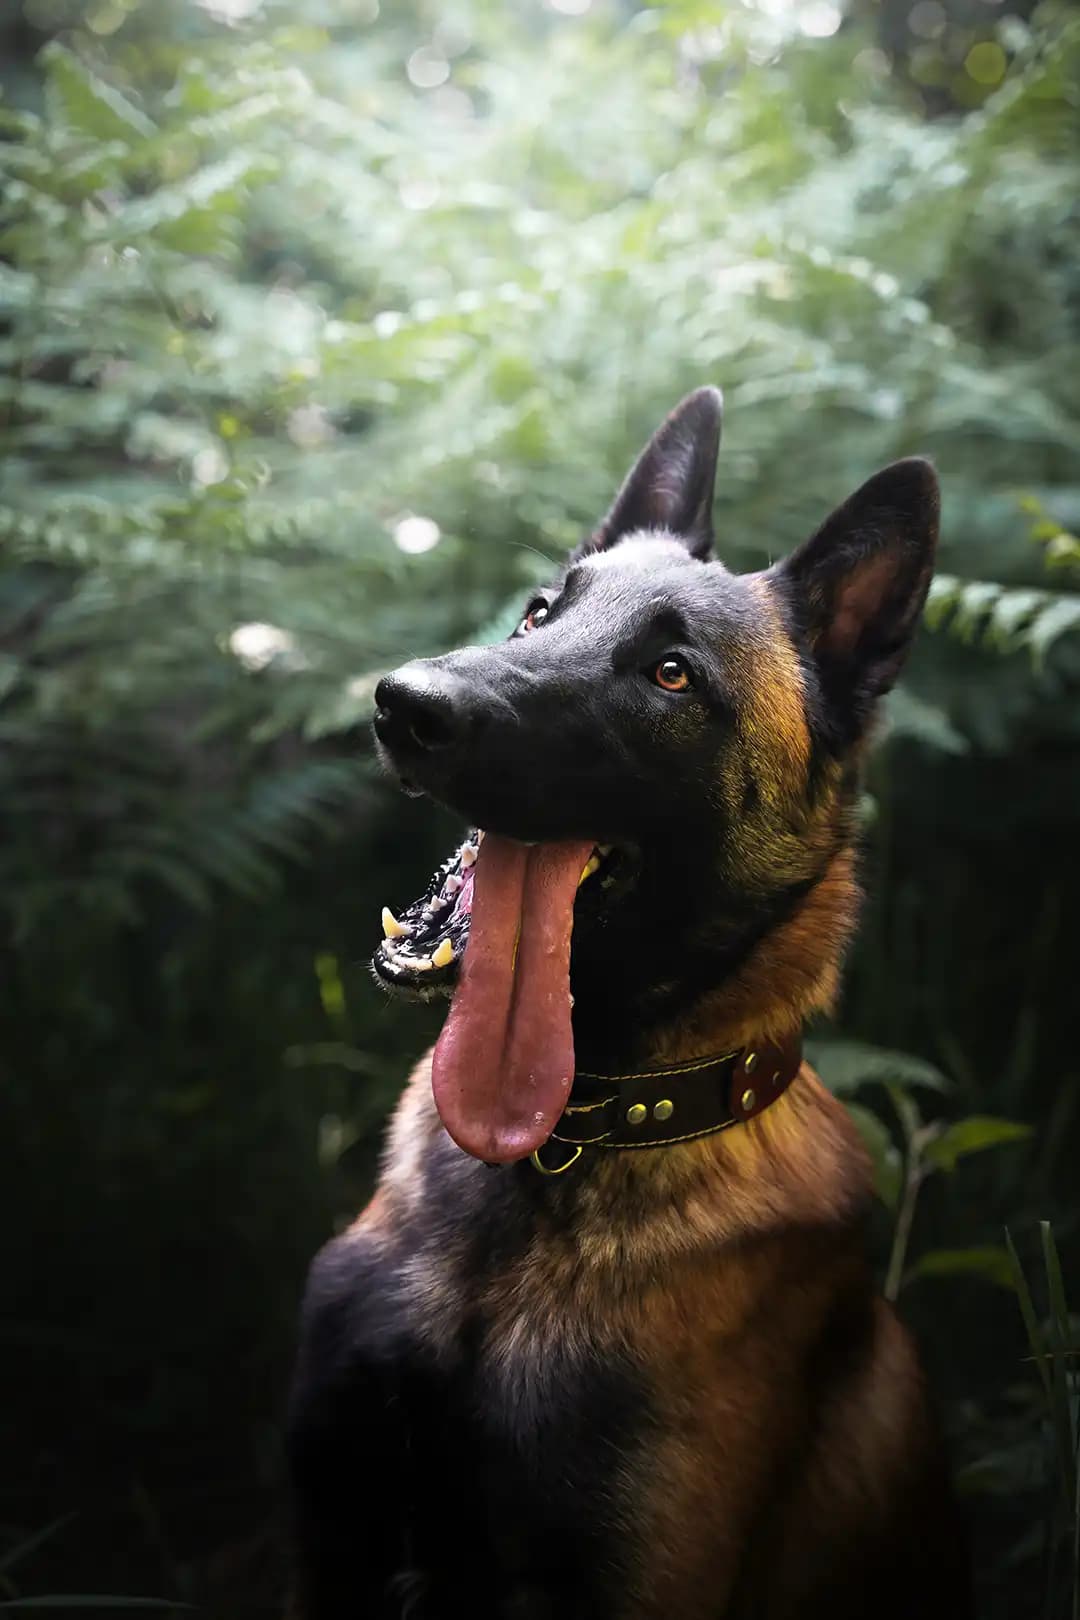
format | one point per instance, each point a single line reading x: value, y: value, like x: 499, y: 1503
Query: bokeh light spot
x: 418, y: 193
x: 309, y: 427
x: 231, y: 11
x: 415, y: 535
x: 873, y: 63
x: 427, y: 68
x: 106, y: 19
x: 986, y: 62
x: 209, y: 465
x: 819, y: 19
x: 256, y: 645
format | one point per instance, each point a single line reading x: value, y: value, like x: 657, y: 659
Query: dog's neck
x: 784, y: 1167
x: 788, y: 974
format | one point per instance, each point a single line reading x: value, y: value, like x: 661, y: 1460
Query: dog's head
x: 686, y: 736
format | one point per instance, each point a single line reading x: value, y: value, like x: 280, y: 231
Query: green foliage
x: 1055, y: 1347
x: 972, y: 1135
x: 264, y: 299
x: 926, y: 1147
x: 1005, y: 619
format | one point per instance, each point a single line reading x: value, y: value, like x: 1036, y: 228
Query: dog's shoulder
x: 402, y: 1280
x: 350, y: 1307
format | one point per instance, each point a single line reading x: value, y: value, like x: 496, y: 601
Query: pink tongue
x: 504, y: 1062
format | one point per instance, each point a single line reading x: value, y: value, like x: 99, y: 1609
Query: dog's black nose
x: 416, y: 708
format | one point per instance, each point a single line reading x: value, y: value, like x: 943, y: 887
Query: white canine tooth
x: 391, y: 928
x: 469, y: 853
x: 591, y: 866
x: 444, y: 954
x: 480, y: 837
x: 452, y: 884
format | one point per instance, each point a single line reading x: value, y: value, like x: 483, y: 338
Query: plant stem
x: 913, y: 1180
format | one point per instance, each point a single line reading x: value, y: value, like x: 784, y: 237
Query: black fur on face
x: 704, y: 725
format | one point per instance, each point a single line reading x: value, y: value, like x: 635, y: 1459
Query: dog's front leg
x: 349, y: 1450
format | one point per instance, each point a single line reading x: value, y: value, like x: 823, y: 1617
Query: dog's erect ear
x: 857, y: 586
x: 671, y: 484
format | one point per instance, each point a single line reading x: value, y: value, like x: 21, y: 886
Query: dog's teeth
x: 469, y: 853
x: 422, y: 964
x: 591, y: 866
x: 391, y: 928
x: 443, y: 954
x: 479, y: 837
x: 452, y: 884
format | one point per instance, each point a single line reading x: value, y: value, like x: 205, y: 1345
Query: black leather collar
x: 660, y: 1107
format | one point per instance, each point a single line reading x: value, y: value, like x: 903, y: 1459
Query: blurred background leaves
x: 323, y: 332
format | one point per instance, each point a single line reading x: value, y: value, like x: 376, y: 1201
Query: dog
x: 604, y: 1343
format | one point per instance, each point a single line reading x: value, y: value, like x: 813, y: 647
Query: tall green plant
x: 263, y: 298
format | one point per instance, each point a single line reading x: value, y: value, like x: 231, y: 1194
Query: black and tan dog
x: 604, y: 1343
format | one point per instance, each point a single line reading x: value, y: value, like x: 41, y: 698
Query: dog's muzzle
x: 419, y: 709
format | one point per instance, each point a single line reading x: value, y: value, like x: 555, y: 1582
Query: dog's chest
x: 515, y: 1432
x: 518, y: 1418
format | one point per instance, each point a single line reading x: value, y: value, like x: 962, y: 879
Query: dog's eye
x: 673, y: 675
x: 534, y: 618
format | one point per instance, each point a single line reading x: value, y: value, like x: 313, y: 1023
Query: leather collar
x: 660, y: 1107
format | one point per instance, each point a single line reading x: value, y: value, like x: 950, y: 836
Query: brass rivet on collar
x: 663, y: 1109
x: 749, y: 1062
x: 747, y: 1100
x: 637, y: 1114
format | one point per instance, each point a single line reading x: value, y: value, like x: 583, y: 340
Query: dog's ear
x: 671, y: 484
x: 857, y: 587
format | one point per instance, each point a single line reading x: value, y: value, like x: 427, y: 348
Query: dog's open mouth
x: 421, y: 951
x: 496, y: 921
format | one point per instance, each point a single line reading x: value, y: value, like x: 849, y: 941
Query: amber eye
x: 534, y: 618
x: 673, y: 675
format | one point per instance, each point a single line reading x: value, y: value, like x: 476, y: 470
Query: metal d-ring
x: 537, y: 1164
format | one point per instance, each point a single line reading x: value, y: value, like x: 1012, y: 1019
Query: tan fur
x: 791, y: 974
x: 773, y: 724
x: 730, y: 1401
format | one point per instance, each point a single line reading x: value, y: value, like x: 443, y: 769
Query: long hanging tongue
x: 504, y: 1062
